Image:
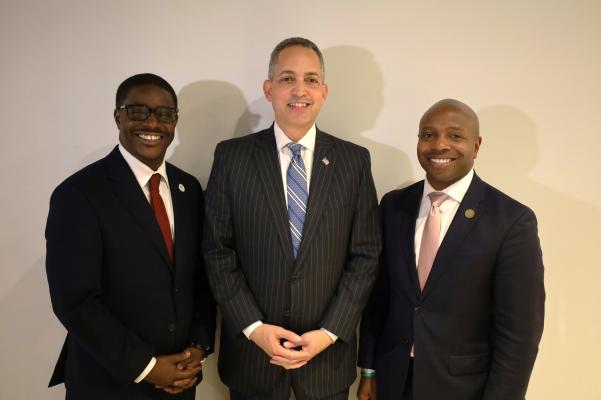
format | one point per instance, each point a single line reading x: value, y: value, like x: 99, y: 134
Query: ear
x: 117, y: 116
x: 325, y: 91
x: 267, y: 89
x: 477, y: 144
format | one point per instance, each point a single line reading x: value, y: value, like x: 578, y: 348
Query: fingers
x: 187, y: 373
x: 178, y: 357
x: 287, y: 364
x: 290, y: 336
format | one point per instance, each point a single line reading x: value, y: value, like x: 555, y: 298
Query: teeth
x: 149, y: 137
x: 298, y: 105
x: 440, y: 160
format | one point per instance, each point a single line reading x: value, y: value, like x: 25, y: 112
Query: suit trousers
x: 282, y: 391
x: 408, y: 389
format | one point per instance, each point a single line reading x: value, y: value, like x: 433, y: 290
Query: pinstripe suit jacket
x: 253, y: 273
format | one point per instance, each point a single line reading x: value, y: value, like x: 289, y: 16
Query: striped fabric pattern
x: 296, y: 180
x: 255, y: 276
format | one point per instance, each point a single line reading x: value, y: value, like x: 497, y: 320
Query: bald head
x: 454, y: 106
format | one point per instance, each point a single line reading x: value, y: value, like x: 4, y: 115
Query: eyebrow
x: 294, y: 73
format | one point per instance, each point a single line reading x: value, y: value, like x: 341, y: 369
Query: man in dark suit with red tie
x: 123, y: 261
x: 291, y: 243
x: 457, y: 311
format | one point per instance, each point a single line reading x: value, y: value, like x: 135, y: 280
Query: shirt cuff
x: 251, y: 328
x: 331, y: 335
x: 147, y: 370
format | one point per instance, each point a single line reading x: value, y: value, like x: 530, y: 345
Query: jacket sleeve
x: 227, y: 280
x: 203, y: 324
x: 358, y: 278
x: 518, y: 302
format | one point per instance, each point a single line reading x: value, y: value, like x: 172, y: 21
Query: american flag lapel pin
x: 325, y: 161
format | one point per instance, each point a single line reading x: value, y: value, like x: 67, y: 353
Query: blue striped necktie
x: 296, y: 180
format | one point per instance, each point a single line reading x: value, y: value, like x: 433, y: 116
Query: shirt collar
x: 456, y: 191
x: 141, y: 171
x: 307, y: 141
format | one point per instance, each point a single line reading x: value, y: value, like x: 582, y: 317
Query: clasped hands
x: 175, y: 373
x: 287, y: 349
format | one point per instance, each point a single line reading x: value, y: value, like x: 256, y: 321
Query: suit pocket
x: 466, y: 365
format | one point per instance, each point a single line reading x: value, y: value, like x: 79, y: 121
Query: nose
x: 441, y: 143
x: 299, y: 89
x: 152, y: 120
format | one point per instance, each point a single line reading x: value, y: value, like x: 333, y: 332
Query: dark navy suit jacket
x: 477, y: 324
x: 113, y: 285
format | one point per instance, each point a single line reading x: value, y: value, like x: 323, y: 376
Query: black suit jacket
x: 113, y: 285
x: 250, y: 264
x: 477, y: 324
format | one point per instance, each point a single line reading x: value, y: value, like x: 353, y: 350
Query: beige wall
x: 531, y: 69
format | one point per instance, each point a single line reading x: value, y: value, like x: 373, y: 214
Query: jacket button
x: 171, y: 328
x: 406, y: 341
x: 417, y: 309
x: 287, y: 313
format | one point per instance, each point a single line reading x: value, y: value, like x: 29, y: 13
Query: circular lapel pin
x: 182, y: 188
x: 469, y: 213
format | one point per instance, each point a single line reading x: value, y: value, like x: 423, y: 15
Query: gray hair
x: 290, y: 42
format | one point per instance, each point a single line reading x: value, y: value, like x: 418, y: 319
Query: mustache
x: 299, y: 100
x: 149, y: 129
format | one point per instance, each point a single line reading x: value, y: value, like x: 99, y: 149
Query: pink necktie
x: 430, y: 238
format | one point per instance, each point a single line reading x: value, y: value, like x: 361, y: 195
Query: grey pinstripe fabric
x: 252, y: 270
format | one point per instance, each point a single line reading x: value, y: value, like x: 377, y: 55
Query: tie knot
x: 437, y: 198
x: 295, y: 148
x: 155, y: 180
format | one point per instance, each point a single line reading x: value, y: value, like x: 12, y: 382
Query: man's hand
x: 312, y: 343
x: 196, y: 357
x: 367, y: 389
x: 269, y: 337
x: 194, y: 361
x: 165, y: 372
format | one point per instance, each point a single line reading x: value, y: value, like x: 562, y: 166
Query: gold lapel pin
x: 469, y: 213
x: 181, y: 187
x: 325, y: 161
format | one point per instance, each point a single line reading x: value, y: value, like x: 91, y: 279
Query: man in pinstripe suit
x: 292, y: 242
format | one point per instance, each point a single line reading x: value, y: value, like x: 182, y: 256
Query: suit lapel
x: 128, y: 190
x: 266, y: 160
x: 458, y: 230
x: 409, y: 217
x: 321, y: 176
x: 180, y: 209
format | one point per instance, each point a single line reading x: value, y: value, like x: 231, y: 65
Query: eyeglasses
x: 141, y: 112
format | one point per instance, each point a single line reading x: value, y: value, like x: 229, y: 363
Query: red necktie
x: 156, y: 202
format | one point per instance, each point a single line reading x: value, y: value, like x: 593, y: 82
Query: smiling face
x: 448, y: 142
x: 146, y: 140
x: 296, y: 90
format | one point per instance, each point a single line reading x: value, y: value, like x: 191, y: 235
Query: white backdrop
x: 531, y: 69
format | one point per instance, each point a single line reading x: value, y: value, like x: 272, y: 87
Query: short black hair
x: 294, y: 41
x: 141, y: 80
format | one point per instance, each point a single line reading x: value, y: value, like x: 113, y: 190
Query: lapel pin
x: 469, y: 213
x: 181, y: 187
x: 325, y: 161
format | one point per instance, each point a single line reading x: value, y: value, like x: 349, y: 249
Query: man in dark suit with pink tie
x: 457, y: 311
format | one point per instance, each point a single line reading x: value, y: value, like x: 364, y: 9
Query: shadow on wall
x: 355, y: 99
x: 210, y: 111
x: 570, y: 232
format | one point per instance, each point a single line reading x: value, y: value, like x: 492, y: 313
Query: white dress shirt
x: 448, y: 208
x: 285, y: 156
x: 143, y: 172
